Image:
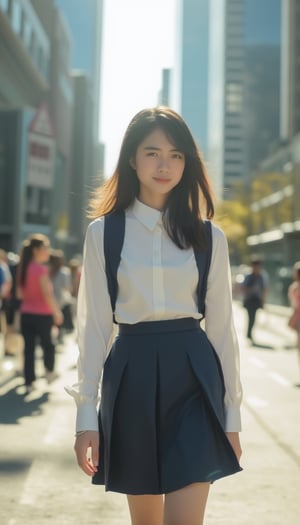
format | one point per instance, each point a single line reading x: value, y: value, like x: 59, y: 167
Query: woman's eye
x: 178, y: 156
x: 152, y: 154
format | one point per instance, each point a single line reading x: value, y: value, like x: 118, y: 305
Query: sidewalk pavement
x: 12, y: 366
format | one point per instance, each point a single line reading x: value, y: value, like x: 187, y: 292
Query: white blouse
x: 157, y: 281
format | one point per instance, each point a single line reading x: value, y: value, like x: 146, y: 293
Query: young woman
x: 169, y: 415
x: 294, y: 298
x: 39, y: 309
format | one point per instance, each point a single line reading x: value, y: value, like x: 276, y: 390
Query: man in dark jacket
x: 255, y: 288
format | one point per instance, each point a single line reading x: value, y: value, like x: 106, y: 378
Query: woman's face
x: 159, y: 167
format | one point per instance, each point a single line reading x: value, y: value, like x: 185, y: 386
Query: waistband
x: 158, y: 327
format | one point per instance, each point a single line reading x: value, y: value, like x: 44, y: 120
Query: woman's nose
x: 164, y: 165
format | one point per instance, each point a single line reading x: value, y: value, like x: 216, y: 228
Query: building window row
x: 232, y: 175
x: 233, y: 162
x: 18, y: 12
x: 37, y: 205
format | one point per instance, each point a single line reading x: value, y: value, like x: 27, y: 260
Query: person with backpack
x: 255, y: 289
x: 169, y: 417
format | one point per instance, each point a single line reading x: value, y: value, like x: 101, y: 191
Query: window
x: 32, y: 44
x: 37, y: 205
x: 233, y: 98
x: 4, y: 5
x: 16, y: 17
x: 25, y: 29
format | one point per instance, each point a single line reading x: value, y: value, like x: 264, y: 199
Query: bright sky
x: 138, y: 42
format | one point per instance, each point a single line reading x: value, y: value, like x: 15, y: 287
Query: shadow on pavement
x: 14, y: 406
x: 12, y: 466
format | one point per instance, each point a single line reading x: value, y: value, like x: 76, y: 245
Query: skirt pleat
x: 161, y: 417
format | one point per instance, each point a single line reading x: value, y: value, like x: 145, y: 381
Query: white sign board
x: 41, y: 151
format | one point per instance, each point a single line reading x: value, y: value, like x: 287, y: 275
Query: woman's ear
x: 132, y: 163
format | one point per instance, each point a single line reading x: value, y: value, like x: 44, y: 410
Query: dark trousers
x: 251, y: 311
x: 33, y: 326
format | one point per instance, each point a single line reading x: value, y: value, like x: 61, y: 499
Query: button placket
x: 158, y: 288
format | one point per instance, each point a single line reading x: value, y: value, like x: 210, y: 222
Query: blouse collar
x: 149, y: 217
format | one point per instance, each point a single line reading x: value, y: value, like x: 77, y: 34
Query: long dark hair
x: 36, y: 240
x: 187, y: 204
x: 56, y: 261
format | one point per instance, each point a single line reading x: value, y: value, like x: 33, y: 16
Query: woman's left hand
x: 234, y: 439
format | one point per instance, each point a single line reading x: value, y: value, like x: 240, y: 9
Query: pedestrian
x: 5, y: 288
x: 75, y: 269
x: 11, y: 307
x: 169, y: 417
x: 39, y: 309
x: 254, y: 289
x: 60, y: 276
x: 6, y: 278
x: 294, y: 298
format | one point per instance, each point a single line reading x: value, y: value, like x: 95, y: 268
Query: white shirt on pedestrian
x: 157, y: 281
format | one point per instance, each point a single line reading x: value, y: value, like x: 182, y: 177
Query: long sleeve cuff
x: 233, y: 419
x: 87, y: 418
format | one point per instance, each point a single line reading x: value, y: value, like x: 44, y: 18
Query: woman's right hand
x: 58, y: 318
x: 87, y: 451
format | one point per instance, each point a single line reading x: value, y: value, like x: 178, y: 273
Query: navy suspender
x: 203, y: 260
x: 114, y: 232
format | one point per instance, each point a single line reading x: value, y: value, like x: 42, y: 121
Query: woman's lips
x: 161, y: 180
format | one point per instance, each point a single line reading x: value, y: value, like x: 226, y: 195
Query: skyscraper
x: 290, y: 70
x: 84, y: 19
x: 261, y: 83
x: 85, y: 22
x: 191, y: 70
x: 243, y: 86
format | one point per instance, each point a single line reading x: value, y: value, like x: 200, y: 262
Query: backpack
x: 114, y: 232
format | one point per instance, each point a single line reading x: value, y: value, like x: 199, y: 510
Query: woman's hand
x: 58, y: 318
x: 234, y: 439
x: 87, y: 451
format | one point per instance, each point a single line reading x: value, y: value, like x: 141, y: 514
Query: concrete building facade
x: 46, y: 162
x: 27, y: 150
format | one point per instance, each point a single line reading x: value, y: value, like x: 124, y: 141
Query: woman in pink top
x: 39, y: 309
x: 294, y: 298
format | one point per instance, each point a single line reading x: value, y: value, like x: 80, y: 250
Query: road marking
x: 279, y: 379
x: 33, y: 486
x: 257, y: 402
x: 257, y: 362
x: 12, y: 383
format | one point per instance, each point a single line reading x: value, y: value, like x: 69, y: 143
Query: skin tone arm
x: 87, y: 451
x: 234, y: 439
x: 50, y: 299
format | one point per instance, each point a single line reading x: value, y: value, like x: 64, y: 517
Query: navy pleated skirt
x: 161, y: 416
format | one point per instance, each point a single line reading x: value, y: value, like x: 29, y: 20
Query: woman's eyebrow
x: 156, y: 148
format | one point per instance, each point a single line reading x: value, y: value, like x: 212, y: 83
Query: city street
x: 41, y: 483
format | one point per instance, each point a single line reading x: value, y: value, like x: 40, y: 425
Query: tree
x: 233, y: 217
